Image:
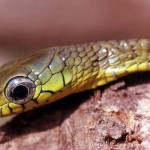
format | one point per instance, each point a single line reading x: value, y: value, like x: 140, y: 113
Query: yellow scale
x: 56, y: 72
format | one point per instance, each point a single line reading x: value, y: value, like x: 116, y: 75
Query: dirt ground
x: 115, y: 116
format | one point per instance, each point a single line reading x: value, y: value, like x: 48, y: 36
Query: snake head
x: 16, y: 88
x: 32, y: 82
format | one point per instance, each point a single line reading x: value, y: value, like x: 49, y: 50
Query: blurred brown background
x: 29, y: 25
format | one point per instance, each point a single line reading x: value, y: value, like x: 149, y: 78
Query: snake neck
x: 103, y: 62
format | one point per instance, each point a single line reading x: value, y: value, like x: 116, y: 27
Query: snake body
x: 56, y: 72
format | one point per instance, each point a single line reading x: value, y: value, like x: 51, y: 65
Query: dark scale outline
x: 49, y: 91
x: 59, y: 71
x: 11, y: 109
x: 91, y: 46
x: 93, y: 72
x: 72, y: 55
x: 63, y: 78
x: 29, y: 69
x: 42, y: 52
x: 81, y: 55
x: 95, y: 61
x: 34, y: 74
x: 89, y: 72
x: 83, y: 72
x: 85, y: 67
x: 104, y: 64
x: 113, y: 57
x: 90, y: 57
x: 76, y: 71
x: 93, y: 54
x: 81, y: 76
x: 35, y: 100
x: 38, y: 93
x: 42, y: 72
x: 52, y: 92
x: 42, y: 83
x: 68, y: 64
x: 84, y: 49
x: 116, y: 73
x: 86, y: 60
x: 105, y: 57
x: 78, y: 46
x: 80, y: 65
x: 80, y: 61
x: 62, y: 55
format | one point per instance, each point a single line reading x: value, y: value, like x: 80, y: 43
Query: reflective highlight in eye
x: 19, y: 90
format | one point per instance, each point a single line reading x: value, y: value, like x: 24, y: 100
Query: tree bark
x: 115, y: 116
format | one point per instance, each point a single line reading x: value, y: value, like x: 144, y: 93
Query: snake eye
x: 19, y: 90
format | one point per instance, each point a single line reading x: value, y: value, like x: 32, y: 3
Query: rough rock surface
x: 115, y: 116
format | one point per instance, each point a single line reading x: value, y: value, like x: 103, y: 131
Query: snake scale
x: 53, y: 73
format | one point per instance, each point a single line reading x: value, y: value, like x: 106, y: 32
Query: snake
x: 53, y: 73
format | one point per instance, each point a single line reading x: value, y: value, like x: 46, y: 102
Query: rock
x: 115, y: 116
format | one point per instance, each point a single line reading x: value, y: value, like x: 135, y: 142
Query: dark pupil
x: 20, y: 92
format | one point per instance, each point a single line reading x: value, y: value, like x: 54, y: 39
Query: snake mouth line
x: 6, y: 109
x: 3, y: 111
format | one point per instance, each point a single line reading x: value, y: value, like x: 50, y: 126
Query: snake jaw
x: 11, y: 108
x: 5, y: 110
